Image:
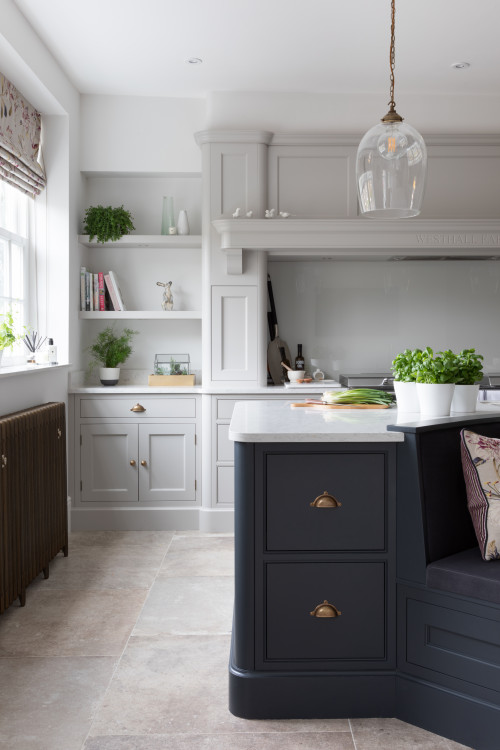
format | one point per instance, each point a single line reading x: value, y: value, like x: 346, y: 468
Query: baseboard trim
x: 151, y: 519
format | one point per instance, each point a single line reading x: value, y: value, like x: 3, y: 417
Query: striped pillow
x: 481, y: 465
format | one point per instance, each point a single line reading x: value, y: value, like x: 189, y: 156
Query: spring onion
x: 359, y: 396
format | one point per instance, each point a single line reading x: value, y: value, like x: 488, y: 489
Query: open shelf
x: 174, y: 241
x: 141, y: 315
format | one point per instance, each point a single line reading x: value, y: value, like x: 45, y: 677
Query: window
x: 15, y: 210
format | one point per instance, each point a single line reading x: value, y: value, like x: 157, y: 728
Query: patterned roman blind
x: 21, y: 161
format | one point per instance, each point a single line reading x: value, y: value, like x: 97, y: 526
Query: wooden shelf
x: 141, y: 315
x: 174, y: 241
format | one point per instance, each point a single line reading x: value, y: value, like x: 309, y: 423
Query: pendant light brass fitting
x: 392, y: 115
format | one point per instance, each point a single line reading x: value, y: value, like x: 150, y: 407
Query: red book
x: 102, y: 292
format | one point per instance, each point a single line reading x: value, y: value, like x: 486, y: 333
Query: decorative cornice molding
x: 233, y: 136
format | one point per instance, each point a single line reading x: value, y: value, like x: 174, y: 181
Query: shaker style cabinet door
x: 108, y: 463
x: 166, y: 463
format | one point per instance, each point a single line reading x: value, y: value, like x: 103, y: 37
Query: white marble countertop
x: 272, y: 390
x: 277, y: 421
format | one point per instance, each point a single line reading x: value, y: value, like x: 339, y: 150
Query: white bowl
x: 294, y: 375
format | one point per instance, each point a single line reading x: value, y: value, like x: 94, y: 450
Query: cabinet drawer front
x: 225, y: 408
x: 294, y: 590
x: 294, y: 481
x: 122, y: 407
x: 225, y: 447
x: 450, y: 642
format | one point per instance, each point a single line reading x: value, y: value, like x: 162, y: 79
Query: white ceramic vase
x: 465, y: 398
x: 182, y: 222
x: 435, y: 399
x: 406, y: 396
x: 109, y: 375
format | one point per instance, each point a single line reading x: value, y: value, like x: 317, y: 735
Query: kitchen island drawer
x: 295, y: 590
x: 295, y: 481
x: 117, y: 407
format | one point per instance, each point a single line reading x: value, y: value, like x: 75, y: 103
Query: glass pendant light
x: 391, y: 163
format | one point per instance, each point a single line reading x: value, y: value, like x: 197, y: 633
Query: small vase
x: 167, y: 215
x: 182, y: 222
x: 109, y: 375
x: 406, y: 396
x: 465, y: 398
x: 435, y: 399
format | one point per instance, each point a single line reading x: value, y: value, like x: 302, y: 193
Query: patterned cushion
x: 481, y: 465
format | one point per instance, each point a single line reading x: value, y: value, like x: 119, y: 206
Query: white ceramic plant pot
x: 465, y: 398
x: 435, y: 399
x: 109, y: 375
x: 406, y: 396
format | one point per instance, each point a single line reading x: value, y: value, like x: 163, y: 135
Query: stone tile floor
x: 109, y: 654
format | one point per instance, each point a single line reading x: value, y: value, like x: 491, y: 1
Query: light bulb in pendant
x: 392, y: 144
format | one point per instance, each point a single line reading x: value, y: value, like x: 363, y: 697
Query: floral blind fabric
x: 21, y: 162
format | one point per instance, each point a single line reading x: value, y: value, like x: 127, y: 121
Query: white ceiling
x: 139, y: 47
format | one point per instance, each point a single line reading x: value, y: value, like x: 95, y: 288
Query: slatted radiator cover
x: 33, y: 496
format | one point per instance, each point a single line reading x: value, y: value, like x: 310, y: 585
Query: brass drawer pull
x: 138, y: 407
x: 132, y: 462
x: 325, y: 610
x: 325, y: 501
x: 144, y: 463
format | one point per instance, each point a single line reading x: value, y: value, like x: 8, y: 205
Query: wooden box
x: 173, y: 380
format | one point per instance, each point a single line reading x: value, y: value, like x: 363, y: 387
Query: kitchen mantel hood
x: 359, y: 239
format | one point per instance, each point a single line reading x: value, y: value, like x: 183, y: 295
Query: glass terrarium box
x: 171, y: 369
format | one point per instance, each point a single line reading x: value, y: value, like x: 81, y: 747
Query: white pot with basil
x: 469, y: 373
x: 405, y: 385
x: 436, y: 375
x: 108, y: 351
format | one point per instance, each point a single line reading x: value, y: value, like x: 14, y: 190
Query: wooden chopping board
x: 340, y: 406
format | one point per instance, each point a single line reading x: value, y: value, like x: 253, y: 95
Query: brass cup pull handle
x: 138, y: 407
x: 144, y: 463
x: 325, y: 501
x: 325, y: 610
x: 132, y: 462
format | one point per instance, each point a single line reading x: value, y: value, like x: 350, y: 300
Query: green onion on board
x: 359, y: 396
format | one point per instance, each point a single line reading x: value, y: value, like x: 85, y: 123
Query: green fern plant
x: 110, y: 349
x: 107, y: 223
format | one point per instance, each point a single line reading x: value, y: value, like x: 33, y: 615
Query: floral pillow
x: 481, y: 465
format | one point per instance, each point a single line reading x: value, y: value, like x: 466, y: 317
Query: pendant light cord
x: 392, y: 115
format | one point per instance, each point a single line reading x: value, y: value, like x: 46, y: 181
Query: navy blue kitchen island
x: 352, y: 544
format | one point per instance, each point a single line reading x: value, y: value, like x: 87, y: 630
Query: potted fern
x: 107, y: 223
x: 108, y: 351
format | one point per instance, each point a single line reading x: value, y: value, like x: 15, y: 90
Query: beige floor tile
x: 199, y: 556
x: 70, y: 623
x: 187, y: 606
x: 48, y: 704
x: 262, y: 741
x: 381, y: 734
x: 178, y: 685
x: 126, y: 539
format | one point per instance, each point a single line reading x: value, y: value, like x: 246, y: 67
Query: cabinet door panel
x: 169, y: 453
x: 294, y: 590
x: 357, y: 481
x: 106, y: 473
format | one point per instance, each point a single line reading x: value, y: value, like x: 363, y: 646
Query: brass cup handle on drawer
x: 144, y: 463
x: 325, y: 501
x: 325, y: 610
x: 132, y: 462
x: 138, y: 407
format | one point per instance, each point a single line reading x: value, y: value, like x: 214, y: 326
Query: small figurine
x: 270, y: 213
x: 249, y: 214
x: 284, y: 214
x: 237, y: 213
x: 168, y: 298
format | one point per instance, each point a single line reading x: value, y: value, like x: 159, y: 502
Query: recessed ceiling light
x: 194, y: 61
x: 460, y: 65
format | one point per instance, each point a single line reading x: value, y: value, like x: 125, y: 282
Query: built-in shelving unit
x: 175, y: 241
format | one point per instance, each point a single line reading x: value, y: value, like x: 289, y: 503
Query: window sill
x: 6, y: 372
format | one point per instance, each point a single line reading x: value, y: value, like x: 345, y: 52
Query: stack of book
x: 100, y: 291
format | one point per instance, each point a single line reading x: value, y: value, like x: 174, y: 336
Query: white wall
x: 140, y: 134
x: 356, y: 316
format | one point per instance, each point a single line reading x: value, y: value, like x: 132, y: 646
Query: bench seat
x: 467, y: 574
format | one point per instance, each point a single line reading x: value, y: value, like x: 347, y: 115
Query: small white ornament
x: 284, y: 214
x: 237, y: 213
x: 249, y: 214
x: 168, y: 298
x: 270, y: 213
